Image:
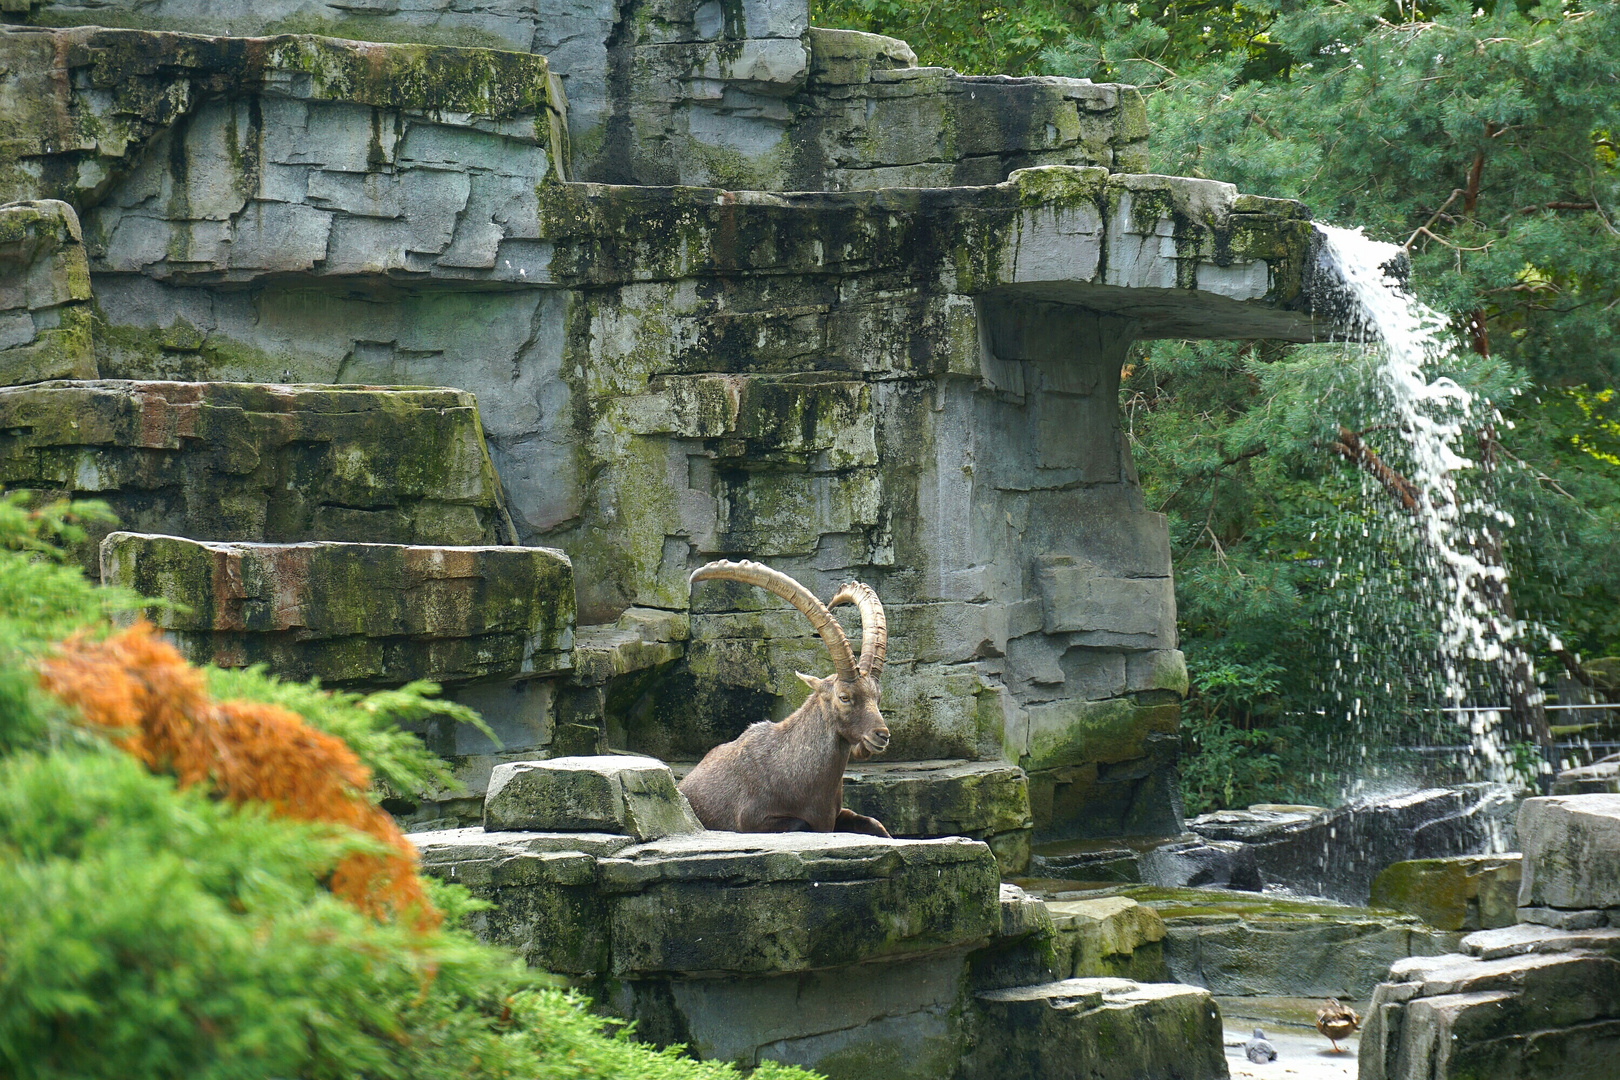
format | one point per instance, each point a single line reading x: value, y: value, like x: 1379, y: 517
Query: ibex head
x: 851, y: 692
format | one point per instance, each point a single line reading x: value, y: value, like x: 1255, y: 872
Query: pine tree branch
x: 1350, y: 447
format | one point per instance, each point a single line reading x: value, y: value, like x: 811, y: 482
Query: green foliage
x: 42, y: 601
x: 369, y: 723
x: 167, y: 934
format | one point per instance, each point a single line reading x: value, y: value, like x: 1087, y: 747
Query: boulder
x: 631, y: 796
x: 1467, y: 892
x: 1599, y: 778
x: 1571, y: 847
x: 1100, y: 864
x: 1108, y: 936
x: 356, y: 614
x: 1100, y: 1029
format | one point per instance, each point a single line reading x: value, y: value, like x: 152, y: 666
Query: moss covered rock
x: 45, y: 313
x: 356, y: 614
x: 611, y: 793
x: 1102, y: 1029
x: 1468, y: 892
x: 987, y: 801
x: 249, y: 462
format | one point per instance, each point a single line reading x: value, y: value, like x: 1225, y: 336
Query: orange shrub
x: 138, y: 688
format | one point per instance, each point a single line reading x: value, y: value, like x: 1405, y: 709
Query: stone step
x: 259, y: 462
x: 357, y: 614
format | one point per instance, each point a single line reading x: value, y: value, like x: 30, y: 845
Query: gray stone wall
x: 706, y: 93
x: 913, y: 386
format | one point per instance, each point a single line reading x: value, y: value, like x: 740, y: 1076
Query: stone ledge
x: 720, y: 902
x: 259, y: 462
x: 95, y: 97
x: 356, y: 614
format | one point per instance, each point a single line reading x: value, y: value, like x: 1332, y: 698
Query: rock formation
x: 877, y: 334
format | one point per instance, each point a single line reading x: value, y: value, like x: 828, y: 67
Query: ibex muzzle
x: 790, y: 775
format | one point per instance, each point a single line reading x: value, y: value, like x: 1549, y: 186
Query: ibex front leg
x: 850, y: 821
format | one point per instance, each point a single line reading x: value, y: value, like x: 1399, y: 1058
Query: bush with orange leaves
x: 137, y: 688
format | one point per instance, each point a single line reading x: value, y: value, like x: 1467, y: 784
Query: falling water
x: 1432, y: 413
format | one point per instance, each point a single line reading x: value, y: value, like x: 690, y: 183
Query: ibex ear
x: 809, y: 680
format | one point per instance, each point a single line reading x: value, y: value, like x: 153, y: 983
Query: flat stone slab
x: 258, y: 462
x: 610, y: 793
x: 1571, y: 846
x: 759, y: 903
x: 356, y: 614
x: 1100, y: 1029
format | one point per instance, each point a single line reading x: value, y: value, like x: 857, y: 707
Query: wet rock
x: 1220, y: 864
x: 634, y: 796
x: 45, y: 306
x: 1467, y: 892
x: 1338, y: 852
x: 1570, y: 846
x: 1102, y: 864
x: 1530, y: 1002
x: 1599, y: 778
x: 1243, y: 945
x: 356, y: 614
x: 1104, y: 1029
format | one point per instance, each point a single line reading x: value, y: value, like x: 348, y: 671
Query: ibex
x: 789, y: 776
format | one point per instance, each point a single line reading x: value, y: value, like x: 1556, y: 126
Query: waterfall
x: 1433, y: 416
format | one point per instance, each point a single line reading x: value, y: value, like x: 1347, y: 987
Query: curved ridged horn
x: 874, y: 627
x: 778, y: 583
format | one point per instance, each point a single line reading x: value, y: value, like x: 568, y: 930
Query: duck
x: 1336, y: 1021
x: 1259, y: 1050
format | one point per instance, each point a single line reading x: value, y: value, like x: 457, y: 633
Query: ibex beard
x: 789, y: 776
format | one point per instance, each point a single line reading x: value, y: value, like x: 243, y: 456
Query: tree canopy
x: 1484, y: 140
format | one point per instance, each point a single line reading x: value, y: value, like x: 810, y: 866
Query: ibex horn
x: 774, y: 581
x: 874, y: 627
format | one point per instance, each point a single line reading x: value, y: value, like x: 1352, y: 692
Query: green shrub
x: 155, y: 933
